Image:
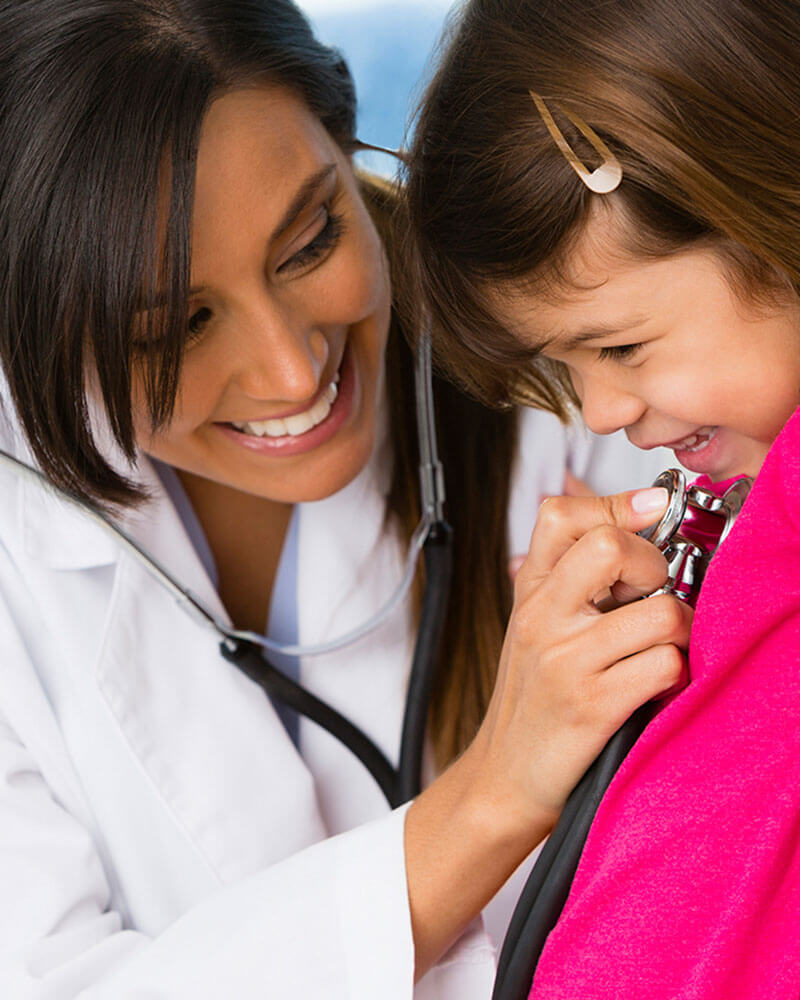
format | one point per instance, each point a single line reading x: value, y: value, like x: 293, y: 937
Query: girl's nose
x: 606, y: 406
x: 282, y: 356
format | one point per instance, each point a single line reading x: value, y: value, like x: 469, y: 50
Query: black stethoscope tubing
x: 405, y: 781
x: 245, y: 651
x: 546, y: 890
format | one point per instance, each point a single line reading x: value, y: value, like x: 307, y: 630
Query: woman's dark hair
x: 101, y: 103
x: 697, y: 99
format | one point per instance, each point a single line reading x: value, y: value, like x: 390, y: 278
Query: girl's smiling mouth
x: 703, y: 452
x: 694, y: 442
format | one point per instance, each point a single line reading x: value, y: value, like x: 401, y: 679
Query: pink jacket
x: 689, y: 884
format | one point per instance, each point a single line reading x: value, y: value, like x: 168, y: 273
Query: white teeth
x: 298, y: 423
x: 697, y: 440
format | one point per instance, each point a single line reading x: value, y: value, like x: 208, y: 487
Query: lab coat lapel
x: 228, y: 779
x: 159, y: 673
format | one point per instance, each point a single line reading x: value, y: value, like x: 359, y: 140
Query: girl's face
x: 289, y: 309
x: 668, y: 351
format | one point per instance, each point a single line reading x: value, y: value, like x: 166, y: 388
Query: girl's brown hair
x: 477, y: 447
x: 95, y: 98
x: 699, y: 102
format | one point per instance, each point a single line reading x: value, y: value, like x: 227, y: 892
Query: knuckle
x: 668, y: 615
x: 607, y: 544
x: 553, y: 514
x: 668, y: 663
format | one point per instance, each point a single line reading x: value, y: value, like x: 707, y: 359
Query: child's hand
x: 570, y: 675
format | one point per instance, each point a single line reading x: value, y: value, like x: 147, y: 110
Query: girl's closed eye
x: 324, y: 239
x: 620, y: 352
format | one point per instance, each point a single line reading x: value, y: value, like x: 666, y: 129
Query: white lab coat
x: 160, y: 835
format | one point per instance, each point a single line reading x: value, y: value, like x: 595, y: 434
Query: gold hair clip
x: 603, y: 179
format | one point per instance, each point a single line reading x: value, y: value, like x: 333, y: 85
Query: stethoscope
x: 696, y: 522
x: 432, y: 538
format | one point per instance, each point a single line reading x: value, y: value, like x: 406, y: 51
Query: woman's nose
x: 282, y: 356
x: 606, y: 406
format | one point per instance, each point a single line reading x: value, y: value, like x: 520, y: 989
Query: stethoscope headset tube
x: 695, y: 523
x: 405, y: 781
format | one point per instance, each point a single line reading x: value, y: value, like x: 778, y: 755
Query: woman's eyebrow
x: 160, y: 299
x: 304, y: 196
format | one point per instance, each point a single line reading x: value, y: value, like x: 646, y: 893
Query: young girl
x: 195, y: 334
x: 610, y: 191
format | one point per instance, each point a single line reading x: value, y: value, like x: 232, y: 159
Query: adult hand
x: 569, y: 675
x: 573, y: 487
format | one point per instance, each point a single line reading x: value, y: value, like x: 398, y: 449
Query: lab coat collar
x: 51, y: 529
x: 56, y: 533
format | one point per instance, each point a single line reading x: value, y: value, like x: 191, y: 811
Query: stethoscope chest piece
x: 696, y: 522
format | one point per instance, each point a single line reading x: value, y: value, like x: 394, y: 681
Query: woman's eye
x: 324, y: 241
x: 620, y: 352
x: 198, y: 320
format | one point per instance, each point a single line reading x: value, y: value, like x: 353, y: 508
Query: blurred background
x: 388, y: 46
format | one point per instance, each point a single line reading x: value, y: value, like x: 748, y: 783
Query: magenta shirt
x: 689, y: 884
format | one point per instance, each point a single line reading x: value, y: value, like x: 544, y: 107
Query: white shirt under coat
x: 160, y: 835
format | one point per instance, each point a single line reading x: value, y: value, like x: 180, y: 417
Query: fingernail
x: 649, y: 501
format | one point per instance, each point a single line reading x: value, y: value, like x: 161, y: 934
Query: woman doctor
x: 196, y: 333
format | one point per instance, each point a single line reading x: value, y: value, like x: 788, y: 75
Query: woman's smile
x: 299, y: 432
x: 280, y: 382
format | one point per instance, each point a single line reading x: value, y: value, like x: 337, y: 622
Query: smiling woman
x: 288, y: 315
